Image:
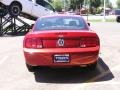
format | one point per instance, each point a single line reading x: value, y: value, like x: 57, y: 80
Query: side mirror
x: 88, y: 24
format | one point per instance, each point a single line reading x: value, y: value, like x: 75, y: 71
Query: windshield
x: 60, y: 23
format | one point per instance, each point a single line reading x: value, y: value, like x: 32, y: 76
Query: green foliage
x: 108, y: 4
x: 118, y: 4
x: 98, y: 11
x: 67, y: 4
x: 95, y: 3
x: 58, y: 5
x: 50, y: 1
x: 75, y: 4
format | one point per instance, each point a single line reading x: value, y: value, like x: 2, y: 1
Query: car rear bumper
x: 45, y: 57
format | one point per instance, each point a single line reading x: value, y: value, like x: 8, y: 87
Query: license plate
x: 62, y: 58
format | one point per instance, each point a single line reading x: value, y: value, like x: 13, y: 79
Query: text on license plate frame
x: 61, y: 58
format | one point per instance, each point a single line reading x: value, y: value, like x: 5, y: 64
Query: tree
x: 107, y: 2
x: 67, y: 4
x: 94, y: 4
x: 58, y: 5
x: 50, y: 1
x: 118, y: 4
x: 76, y: 4
x: 109, y: 5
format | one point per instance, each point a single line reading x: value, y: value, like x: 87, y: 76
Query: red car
x: 61, y: 41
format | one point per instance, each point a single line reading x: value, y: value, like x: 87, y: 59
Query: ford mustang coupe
x: 61, y: 41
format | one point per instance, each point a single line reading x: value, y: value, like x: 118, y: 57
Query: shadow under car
x: 73, y: 75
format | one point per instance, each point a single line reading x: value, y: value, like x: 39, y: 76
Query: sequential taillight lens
x: 33, y: 43
x: 89, y: 42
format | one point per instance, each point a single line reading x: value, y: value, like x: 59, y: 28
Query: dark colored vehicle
x: 117, y: 13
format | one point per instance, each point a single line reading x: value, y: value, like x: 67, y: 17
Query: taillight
x: 89, y: 42
x: 33, y: 43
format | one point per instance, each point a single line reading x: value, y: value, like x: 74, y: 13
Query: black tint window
x: 60, y: 23
x: 40, y: 2
x: 45, y: 4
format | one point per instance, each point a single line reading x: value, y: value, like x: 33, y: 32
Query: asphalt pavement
x: 15, y: 76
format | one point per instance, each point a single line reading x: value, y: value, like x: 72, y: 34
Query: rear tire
x: 15, y: 9
x: 30, y: 68
x: 92, y: 67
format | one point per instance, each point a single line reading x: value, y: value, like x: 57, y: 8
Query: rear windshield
x: 60, y: 23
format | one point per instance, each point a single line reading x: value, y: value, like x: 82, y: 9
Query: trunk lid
x: 61, y: 38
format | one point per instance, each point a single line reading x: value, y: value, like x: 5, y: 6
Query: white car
x: 34, y: 8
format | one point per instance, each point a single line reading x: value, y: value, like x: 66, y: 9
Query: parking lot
x: 15, y: 76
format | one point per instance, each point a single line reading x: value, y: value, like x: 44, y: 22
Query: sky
x: 114, y: 2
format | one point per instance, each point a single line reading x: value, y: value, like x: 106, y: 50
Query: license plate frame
x: 61, y: 58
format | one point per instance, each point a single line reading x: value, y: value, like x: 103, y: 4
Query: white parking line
x: 3, y: 59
